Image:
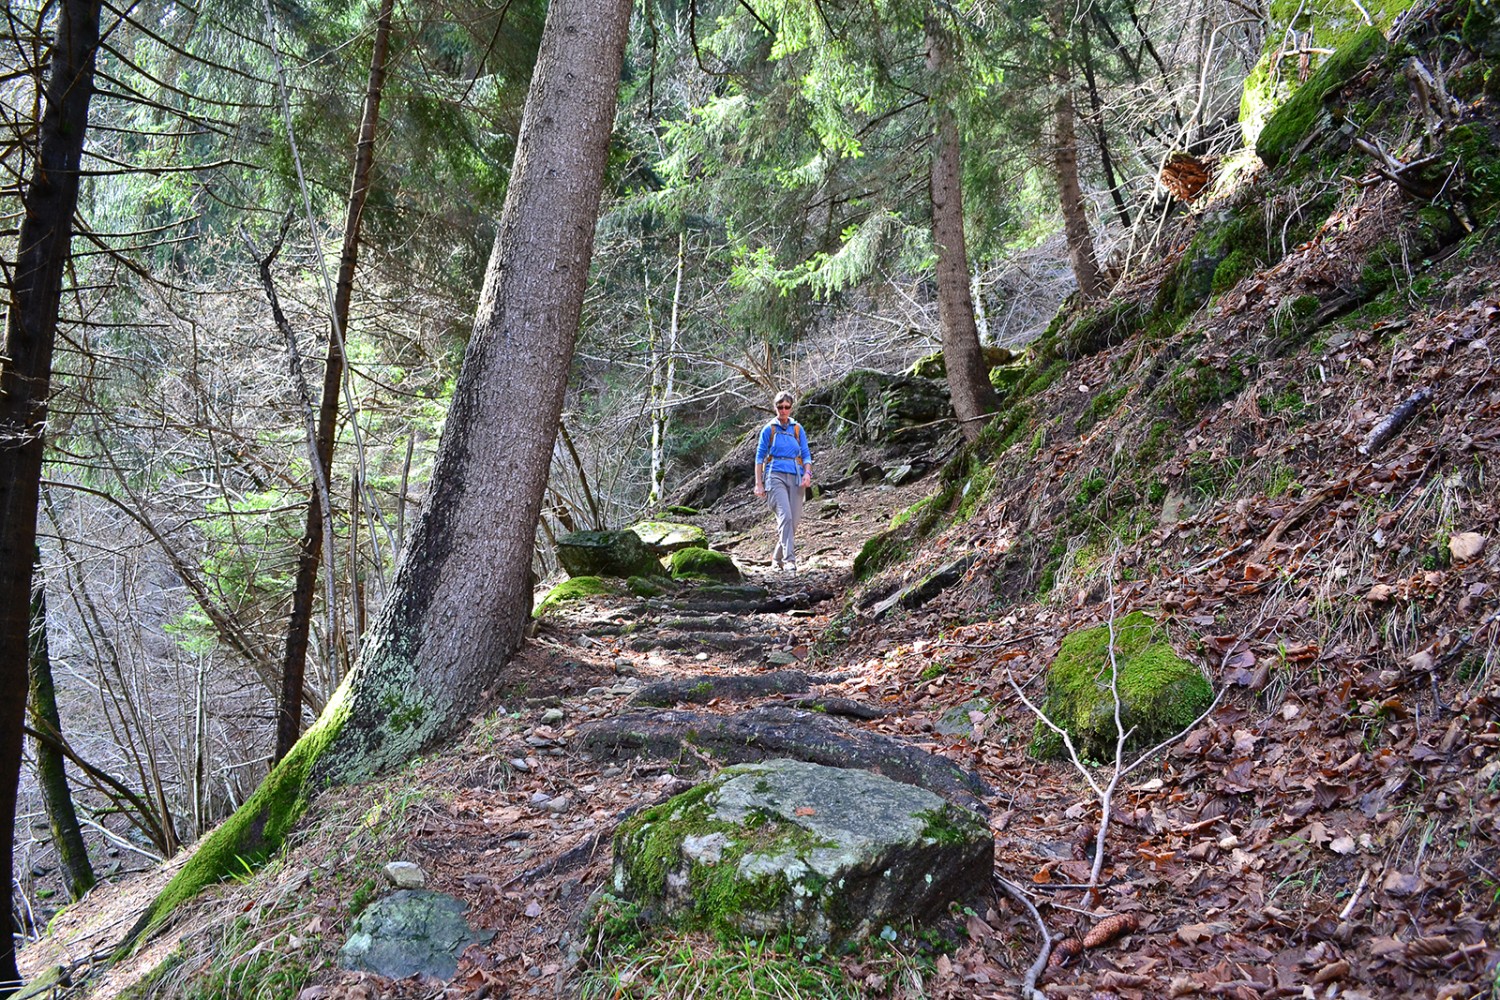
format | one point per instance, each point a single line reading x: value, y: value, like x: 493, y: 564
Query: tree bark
x: 968, y: 379
x: 1065, y: 162
x: 51, y: 772
x: 42, y: 252
x: 310, y: 551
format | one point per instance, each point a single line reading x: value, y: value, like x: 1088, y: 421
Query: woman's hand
x: 760, y: 489
x: 806, y: 479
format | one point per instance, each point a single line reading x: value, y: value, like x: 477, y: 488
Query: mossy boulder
x: 666, y: 537
x: 933, y: 366
x: 1295, y: 120
x: 870, y: 407
x: 703, y: 563
x: 574, y: 589
x: 785, y: 846
x: 606, y: 553
x: 1160, y: 692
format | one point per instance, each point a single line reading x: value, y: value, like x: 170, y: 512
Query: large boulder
x: 704, y: 564
x: 870, y: 407
x: 1160, y: 692
x: 665, y: 537
x: 411, y: 932
x: 606, y: 553
x: 790, y: 847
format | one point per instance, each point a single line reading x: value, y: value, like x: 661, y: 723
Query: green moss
x: 1194, y: 387
x: 1099, y: 329
x: 703, y: 563
x: 1296, y: 119
x: 573, y: 589
x: 1160, y: 693
x: 644, y: 586
x: 652, y: 841
x: 1101, y: 405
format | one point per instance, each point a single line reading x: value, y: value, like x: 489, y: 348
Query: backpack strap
x: 797, y: 435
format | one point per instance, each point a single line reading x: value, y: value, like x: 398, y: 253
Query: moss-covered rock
x: 573, y: 589
x: 874, y: 407
x: 704, y: 563
x: 606, y: 553
x: 1160, y: 693
x: 1297, y: 118
x: 790, y: 847
x: 666, y: 537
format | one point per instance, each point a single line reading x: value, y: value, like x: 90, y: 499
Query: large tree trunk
x: 309, y: 554
x: 51, y: 772
x: 1065, y: 162
x: 462, y: 594
x: 48, y: 204
x: 968, y: 379
x: 460, y: 600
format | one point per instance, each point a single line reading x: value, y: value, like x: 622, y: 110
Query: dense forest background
x: 769, y: 223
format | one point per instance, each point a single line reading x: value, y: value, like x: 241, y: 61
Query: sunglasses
x: 783, y: 406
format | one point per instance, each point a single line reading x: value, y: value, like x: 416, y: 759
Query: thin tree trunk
x: 42, y: 252
x: 294, y: 663
x: 968, y: 379
x: 1065, y: 162
x: 663, y: 374
x: 51, y: 772
x: 1101, y: 137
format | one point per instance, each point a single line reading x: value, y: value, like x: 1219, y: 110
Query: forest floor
x: 1277, y: 849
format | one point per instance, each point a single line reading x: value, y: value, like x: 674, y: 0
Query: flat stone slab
x: 411, y: 932
x: 787, y: 846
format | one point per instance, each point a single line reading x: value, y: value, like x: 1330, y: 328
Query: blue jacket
x: 784, y: 445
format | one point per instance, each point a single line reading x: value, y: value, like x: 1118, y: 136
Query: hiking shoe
x: 791, y: 568
x: 775, y: 565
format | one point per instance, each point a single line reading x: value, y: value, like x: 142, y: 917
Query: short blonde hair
x: 783, y: 397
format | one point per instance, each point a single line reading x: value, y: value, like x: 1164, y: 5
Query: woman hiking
x: 783, y: 469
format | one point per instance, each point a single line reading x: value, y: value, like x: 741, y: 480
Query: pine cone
x: 1064, y: 952
x: 1110, y: 928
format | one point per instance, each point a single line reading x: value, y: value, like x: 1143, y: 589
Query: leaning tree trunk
x: 1065, y: 162
x: 459, y: 603
x: 50, y: 198
x: 51, y: 772
x: 968, y: 379
x: 309, y: 553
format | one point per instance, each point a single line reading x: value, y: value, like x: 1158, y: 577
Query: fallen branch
x: 1392, y: 425
x: 1028, y: 985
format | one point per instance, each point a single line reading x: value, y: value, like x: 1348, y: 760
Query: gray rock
x: 552, y: 715
x: 405, y: 875
x: 956, y: 721
x: 787, y: 846
x: 411, y: 932
x: 606, y: 553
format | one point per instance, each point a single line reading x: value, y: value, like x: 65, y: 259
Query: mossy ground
x: 573, y: 589
x: 1160, y: 693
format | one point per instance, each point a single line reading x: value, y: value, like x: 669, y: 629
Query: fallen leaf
x: 1466, y: 545
x: 1342, y: 845
x: 1402, y: 884
x: 1194, y: 933
x: 533, y: 909
x: 1380, y: 593
x: 805, y: 811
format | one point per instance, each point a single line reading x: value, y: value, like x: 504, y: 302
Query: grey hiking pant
x: 784, y: 491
